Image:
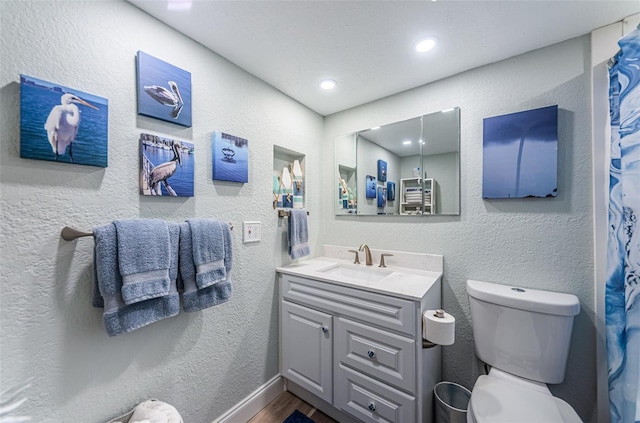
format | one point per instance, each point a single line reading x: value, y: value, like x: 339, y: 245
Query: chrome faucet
x: 367, y: 253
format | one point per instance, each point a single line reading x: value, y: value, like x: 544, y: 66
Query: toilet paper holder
x: 439, y: 314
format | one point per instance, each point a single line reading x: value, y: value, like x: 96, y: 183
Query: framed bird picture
x: 164, y: 90
x: 62, y: 124
x: 166, y: 166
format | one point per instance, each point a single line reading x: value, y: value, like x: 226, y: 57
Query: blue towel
x: 144, y: 258
x: 119, y: 317
x: 298, y: 233
x: 194, y: 299
x: 209, y: 245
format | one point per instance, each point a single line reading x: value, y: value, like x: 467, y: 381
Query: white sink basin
x: 355, y: 271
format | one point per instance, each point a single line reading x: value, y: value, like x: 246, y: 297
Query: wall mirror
x: 405, y: 168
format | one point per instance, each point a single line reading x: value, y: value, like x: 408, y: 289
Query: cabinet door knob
x: 371, y: 353
x: 325, y: 329
x: 372, y: 406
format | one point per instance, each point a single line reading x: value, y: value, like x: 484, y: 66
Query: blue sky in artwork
x: 520, y: 154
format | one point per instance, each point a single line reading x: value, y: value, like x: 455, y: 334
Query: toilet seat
x: 496, y: 399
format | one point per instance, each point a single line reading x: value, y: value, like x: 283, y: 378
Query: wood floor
x: 285, y: 404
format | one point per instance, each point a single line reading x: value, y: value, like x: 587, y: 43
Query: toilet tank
x: 525, y: 332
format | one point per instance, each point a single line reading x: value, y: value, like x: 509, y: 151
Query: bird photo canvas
x: 62, y: 124
x: 164, y: 90
x: 166, y: 166
x: 520, y: 154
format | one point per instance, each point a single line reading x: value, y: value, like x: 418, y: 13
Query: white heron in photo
x: 164, y: 171
x: 167, y: 98
x: 63, y: 123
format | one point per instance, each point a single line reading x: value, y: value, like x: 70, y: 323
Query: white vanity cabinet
x: 358, y: 351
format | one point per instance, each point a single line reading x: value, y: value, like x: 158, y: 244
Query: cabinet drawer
x: 370, y: 400
x: 380, y: 310
x: 375, y: 352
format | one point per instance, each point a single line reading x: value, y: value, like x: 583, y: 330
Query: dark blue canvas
x: 520, y: 154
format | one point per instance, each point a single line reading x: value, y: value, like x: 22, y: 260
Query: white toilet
x: 524, y: 335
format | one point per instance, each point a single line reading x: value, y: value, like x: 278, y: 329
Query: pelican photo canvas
x: 166, y: 166
x: 520, y: 154
x: 164, y: 90
x: 62, y: 124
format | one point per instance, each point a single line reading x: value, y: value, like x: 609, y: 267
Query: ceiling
x: 368, y: 46
x: 438, y: 131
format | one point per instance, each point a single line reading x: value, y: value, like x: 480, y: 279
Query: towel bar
x: 283, y: 213
x: 69, y: 234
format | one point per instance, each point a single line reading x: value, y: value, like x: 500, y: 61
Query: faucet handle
x: 382, y: 256
x: 357, y: 259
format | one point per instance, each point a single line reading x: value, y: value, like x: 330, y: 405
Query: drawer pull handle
x: 372, y: 406
x: 371, y: 353
x: 325, y: 329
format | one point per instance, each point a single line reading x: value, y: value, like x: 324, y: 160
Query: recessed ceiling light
x: 328, y: 84
x: 421, y: 142
x: 179, y: 5
x: 406, y: 142
x: 375, y: 127
x: 426, y: 44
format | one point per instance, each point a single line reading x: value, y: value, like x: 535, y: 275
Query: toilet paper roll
x: 439, y: 330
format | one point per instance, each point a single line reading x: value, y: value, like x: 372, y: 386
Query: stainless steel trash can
x: 452, y: 401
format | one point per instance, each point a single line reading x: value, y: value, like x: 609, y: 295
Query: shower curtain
x: 623, y: 249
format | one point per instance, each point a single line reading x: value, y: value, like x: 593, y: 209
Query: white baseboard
x: 243, y: 411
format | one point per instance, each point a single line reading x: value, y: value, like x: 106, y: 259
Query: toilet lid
x: 494, y: 400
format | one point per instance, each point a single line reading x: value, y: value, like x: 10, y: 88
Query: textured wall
x: 204, y: 362
x: 536, y: 243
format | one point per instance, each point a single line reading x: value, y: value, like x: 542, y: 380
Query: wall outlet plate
x: 250, y: 232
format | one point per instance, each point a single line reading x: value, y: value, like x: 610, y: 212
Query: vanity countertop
x: 398, y: 281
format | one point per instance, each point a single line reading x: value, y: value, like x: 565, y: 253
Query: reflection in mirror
x: 346, y: 173
x: 407, y: 168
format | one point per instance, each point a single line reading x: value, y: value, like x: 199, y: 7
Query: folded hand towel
x: 143, y: 258
x: 298, y: 233
x: 208, y: 237
x: 119, y: 317
x: 194, y: 299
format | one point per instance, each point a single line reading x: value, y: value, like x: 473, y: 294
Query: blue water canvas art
x: 62, y: 124
x: 164, y: 90
x: 520, y: 154
x: 166, y: 166
x: 391, y: 191
x: 382, y: 171
x: 371, y: 184
x: 382, y: 197
x: 230, y: 158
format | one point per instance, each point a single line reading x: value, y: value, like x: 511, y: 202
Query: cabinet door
x: 306, y: 352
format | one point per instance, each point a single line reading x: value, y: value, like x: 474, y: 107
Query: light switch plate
x: 250, y: 232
